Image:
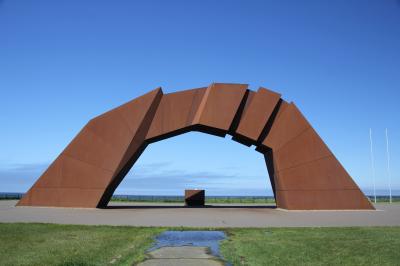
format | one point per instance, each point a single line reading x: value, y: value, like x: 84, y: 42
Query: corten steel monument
x: 303, y: 172
x: 194, y: 197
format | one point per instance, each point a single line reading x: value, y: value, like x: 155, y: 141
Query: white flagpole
x: 388, y: 166
x: 372, y: 163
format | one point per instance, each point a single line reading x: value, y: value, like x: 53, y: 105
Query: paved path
x: 218, y: 216
x: 185, y: 256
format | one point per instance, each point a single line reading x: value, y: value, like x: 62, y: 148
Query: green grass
x: 386, y: 199
x: 155, y: 200
x: 313, y: 246
x: 209, y: 200
x: 227, y: 199
x: 50, y: 244
x: 240, y: 200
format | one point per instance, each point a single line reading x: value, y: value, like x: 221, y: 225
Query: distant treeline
x: 209, y: 199
x: 381, y: 198
x: 10, y: 195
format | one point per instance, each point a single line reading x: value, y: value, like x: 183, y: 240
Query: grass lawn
x: 208, y: 200
x: 313, y: 246
x: 52, y: 244
x: 48, y: 244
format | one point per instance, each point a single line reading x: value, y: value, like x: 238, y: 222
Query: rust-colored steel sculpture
x: 303, y: 172
x: 194, y: 197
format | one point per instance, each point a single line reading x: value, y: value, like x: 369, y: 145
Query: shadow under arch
x: 304, y: 173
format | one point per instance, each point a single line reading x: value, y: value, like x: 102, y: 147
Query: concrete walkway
x: 177, y: 256
x: 219, y: 216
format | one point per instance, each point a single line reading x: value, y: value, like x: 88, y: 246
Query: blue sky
x: 63, y: 62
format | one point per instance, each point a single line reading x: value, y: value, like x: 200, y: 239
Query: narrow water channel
x: 183, y: 246
x: 208, y: 239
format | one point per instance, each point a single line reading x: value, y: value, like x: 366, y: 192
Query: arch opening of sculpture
x: 304, y: 173
x: 195, y: 160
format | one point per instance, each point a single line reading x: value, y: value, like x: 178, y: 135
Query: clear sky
x: 64, y: 62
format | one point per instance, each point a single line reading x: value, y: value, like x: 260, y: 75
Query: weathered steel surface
x: 90, y: 168
x: 258, y: 110
x: 304, y: 173
x: 194, y: 197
